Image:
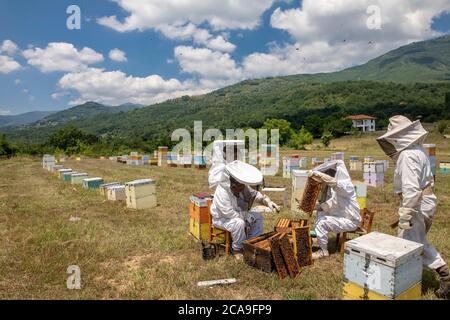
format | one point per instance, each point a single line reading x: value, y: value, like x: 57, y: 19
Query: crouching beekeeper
x: 414, y: 183
x: 338, y: 209
x: 233, y: 199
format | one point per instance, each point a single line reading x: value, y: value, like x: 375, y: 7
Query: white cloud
x: 9, y: 47
x: 61, y: 56
x: 115, y: 87
x: 117, y: 55
x: 8, y: 65
x: 333, y: 34
x: 58, y: 95
x: 220, y: 14
x: 4, y: 112
x: 199, y: 36
x: 179, y: 20
x: 26, y: 91
x: 207, y: 63
x: 17, y: 81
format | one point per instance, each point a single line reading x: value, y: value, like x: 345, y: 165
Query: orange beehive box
x: 199, y: 208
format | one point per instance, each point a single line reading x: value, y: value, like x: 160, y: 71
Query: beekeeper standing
x: 224, y: 151
x: 233, y: 200
x: 338, y: 209
x: 414, y: 183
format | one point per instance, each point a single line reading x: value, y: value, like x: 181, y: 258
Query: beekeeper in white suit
x: 224, y: 151
x: 414, y: 183
x: 338, y: 211
x: 233, y: 200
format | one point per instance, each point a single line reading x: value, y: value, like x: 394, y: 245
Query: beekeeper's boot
x: 444, y: 282
x: 319, y: 254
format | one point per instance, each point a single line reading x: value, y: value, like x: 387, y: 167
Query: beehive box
x: 444, y: 167
x: 141, y: 194
x: 67, y: 176
x: 92, y: 183
x: 103, y: 188
x: 200, y: 231
x: 62, y: 171
x: 368, y: 159
x: 384, y: 264
x: 299, y: 178
x: 374, y: 179
x: 56, y: 167
x: 356, y: 165
x: 257, y: 252
x: 116, y: 193
x: 199, y: 208
x: 352, y: 291
x: 78, y: 178
x: 361, y: 193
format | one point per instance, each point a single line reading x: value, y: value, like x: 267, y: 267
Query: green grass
x: 149, y: 254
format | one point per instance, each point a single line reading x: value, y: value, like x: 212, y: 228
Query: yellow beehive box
x: 141, y: 203
x: 353, y: 291
x: 362, y: 202
x: 200, y: 231
x: 140, y: 188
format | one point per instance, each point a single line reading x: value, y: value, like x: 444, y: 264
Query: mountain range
x: 413, y: 78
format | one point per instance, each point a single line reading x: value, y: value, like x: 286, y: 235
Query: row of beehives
x: 138, y: 194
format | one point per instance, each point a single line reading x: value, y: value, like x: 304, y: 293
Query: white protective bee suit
x: 220, y: 159
x: 340, y: 211
x: 414, y: 182
x: 233, y: 213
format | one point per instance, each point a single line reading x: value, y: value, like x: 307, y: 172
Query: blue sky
x: 170, y: 48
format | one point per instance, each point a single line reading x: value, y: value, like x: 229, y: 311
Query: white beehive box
x: 62, y: 171
x: 103, y: 189
x: 383, y: 264
x: 56, y: 167
x: 116, y: 193
x: 299, y: 178
x: 78, y: 178
x: 141, y: 194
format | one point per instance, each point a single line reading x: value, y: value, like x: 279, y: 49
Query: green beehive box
x: 67, y: 177
x: 92, y: 183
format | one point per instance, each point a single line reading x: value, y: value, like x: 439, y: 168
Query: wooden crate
x: 257, y: 252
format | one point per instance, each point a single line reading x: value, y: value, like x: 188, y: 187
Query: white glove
x: 322, y: 177
x: 273, y: 206
x: 406, y: 215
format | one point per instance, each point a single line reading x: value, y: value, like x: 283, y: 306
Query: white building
x: 363, y: 122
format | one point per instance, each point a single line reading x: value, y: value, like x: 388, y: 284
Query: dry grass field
x: 149, y: 254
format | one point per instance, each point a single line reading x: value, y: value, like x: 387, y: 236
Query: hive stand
x: 364, y: 228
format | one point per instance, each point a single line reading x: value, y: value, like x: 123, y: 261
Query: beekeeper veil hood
x: 338, y: 165
x: 223, y: 153
x: 242, y: 173
x: 401, y: 134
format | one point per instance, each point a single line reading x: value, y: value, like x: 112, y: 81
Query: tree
x: 284, y: 127
x: 6, y: 149
x: 299, y: 140
x: 70, y: 138
x: 338, y: 127
x: 447, y: 100
x: 314, y: 124
x: 326, y: 138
